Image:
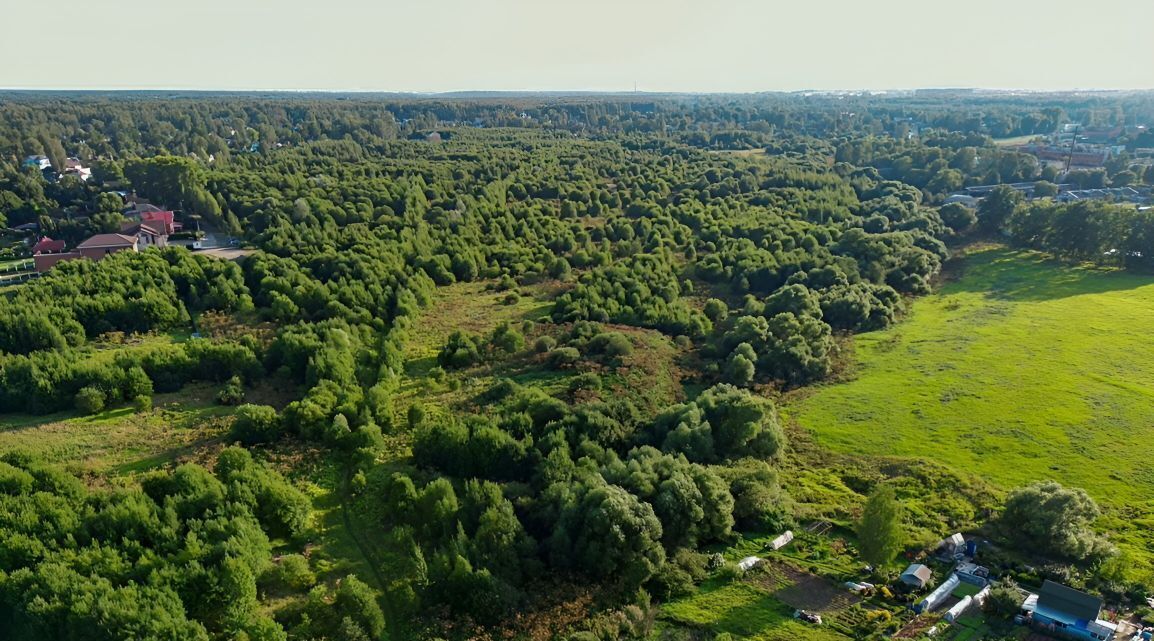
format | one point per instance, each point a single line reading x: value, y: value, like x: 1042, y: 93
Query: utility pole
x: 1070, y: 154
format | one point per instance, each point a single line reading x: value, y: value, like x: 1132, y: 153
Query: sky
x: 586, y: 45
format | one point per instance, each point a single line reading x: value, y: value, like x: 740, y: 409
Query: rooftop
x: 108, y: 240
x: 1055, y: 598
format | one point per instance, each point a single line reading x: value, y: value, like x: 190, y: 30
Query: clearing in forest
x: 1020, y: 370
x: 119, y: 441
x: 650, y: 376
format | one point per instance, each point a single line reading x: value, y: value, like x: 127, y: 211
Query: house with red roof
x: 47, y: 246
x: 166, y: 218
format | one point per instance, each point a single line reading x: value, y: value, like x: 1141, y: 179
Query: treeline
x: 183, y: 555
x: 127, y: 292
x: 1095, y: 231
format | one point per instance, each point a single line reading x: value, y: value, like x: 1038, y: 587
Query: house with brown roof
x: 150, y: 233
x: 101, y: 245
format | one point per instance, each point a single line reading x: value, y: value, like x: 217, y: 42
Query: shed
x: 953, y: 543
x: 917, y: 575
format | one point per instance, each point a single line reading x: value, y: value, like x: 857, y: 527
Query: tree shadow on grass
x: 1016, y: 275
x: 754, y: 616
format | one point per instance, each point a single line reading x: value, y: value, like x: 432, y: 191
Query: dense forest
x: 633, y: 218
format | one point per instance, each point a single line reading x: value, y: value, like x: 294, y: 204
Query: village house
x: 40, y: 163
x: 149, y: 233
x: 73, y: 167
x: 101, y: 245
x: 48, y: 246
x: 46, y: 253
x: 1071, y: 613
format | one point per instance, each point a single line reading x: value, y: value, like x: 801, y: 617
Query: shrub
x: 716, y: 310
x: 587, y: 381
x: 90, y: 400
x: 255, y: 424
x: 507, y: 339
x: 232, y: 393
x: 563, y: 357
x: 142, y: 403
x: 293, y: 572
x: 462, y: 350
x: 544, y: 344
x: 611, y: 345
x: 416, y: 416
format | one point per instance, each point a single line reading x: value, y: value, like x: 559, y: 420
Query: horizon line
x: 396, y: 92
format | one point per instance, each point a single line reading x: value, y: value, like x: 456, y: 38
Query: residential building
x: 150, y: 233
x: 40, y: 163
x: 73, y: 167
x: 1072, y: 613
x: 101, y: 245
x: 166, y: 218
x: 48, y: 246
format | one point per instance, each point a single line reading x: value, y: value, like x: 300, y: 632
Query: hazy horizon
x: 455, y: 46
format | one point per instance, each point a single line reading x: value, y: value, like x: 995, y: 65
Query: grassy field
x: 180, y: 427
x: 650, y: 376
x: 746, y: 610
x: 1020, y: 370
x: 1016, y: 140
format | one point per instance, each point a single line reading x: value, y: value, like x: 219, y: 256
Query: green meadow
x: 1018, y: 369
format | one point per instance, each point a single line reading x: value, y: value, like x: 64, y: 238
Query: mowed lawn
x: 1020, y: 370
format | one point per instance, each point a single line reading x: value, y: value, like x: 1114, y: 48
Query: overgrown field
x: 1019, y: 370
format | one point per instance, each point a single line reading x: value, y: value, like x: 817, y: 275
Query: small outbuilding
x: 953, y: 543
x: 748, y: 562
x: 781, y: 541
x: 917, y: 575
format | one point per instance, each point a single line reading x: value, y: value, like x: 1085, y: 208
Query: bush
x: 142, y: 403
x: 462, y: 350
x: 232, y: 393
x: 544, y: 344
x: 507, y: 339
x: 611, y: 345
x: 563, y: 357
x: 1004, y: 599
x: 90, y: 400
x: 716, y: 310
x: 416, y: 416
x: 293, y: 573
x: 587, y: 381
x: 255, y: 424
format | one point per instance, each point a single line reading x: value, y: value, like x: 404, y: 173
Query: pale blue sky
x: 662, y: 45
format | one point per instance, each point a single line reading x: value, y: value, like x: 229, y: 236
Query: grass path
x: 1019, y: 371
